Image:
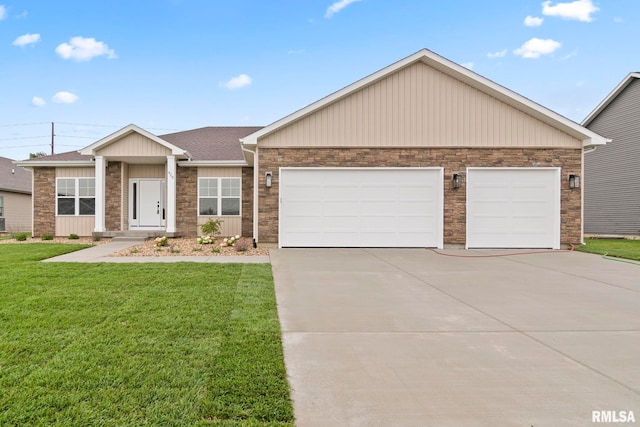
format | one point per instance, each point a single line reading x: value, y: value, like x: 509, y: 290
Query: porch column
x: 100, y: 194
x: 171, y: 194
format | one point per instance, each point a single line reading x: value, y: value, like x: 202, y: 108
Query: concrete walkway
x: 100, y: 253
x: 392, y: 337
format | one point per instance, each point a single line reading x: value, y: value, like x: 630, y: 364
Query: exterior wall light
x: 269, y: 177
x: 457, y: 180
x: 574, y: 181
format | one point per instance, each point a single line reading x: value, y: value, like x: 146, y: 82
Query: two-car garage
x: 404, y: 207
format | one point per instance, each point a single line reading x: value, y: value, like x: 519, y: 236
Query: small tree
x: 211, y: 227
x: 36, y: 155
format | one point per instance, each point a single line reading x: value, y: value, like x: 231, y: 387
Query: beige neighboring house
x: 422, y: 153
x: 15, y: 197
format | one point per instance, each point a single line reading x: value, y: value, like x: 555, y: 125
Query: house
x: 423, y: 153
x: 612, y: 172
x: 15, y: 197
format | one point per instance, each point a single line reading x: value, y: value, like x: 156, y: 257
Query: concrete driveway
x: 404, y: 337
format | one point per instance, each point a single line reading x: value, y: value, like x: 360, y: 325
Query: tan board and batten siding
x: 231, y: 225
x: 419, y: 106
x: 134, y: 145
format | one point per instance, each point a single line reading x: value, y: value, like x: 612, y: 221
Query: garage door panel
x: 385, y: 207
x: 513, y: 208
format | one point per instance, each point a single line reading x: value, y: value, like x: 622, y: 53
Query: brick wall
x: 113, y: 197
x: 247, y: 202
x: 187, y: 201
x: 454, y: 160
x: 44, y: 201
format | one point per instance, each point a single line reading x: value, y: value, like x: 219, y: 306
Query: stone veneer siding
x: 113, y: 197
x: 187, y: 201
x: 453, y: 160
x: 44, y: 201
x: 247, y: 202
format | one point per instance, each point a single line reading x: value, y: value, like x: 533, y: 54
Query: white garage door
x: 513, y: 208
x: 361, y: 207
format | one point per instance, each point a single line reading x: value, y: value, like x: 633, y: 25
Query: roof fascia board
x: 91, y: 149
x: 57, y: 163
x: 609, y: 98
x: 12, y: 190
x: 213, y: 163
x: 428, y: 57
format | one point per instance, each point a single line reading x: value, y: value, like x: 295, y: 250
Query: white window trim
x: 76, y: 197
x: 220, y: 197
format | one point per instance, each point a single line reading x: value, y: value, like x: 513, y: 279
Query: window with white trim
x: 219, y: 196
x: 75, y: 196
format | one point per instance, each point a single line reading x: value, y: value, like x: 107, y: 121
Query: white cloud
x: 337, y: 7
x: 65, y: 98
x: 38, y: 102
x: 3, y: 12
x: 580, y: 10
x: 237, y: 82
x: 535, y: 48
x: 500, y: 54
x: 533, y: 21
x: 296, y: 52
x: 468, y: 65
x: 84, y: 49
x: 618, y: 20
x: 26, y: 39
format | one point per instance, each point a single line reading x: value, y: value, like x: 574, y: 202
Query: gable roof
x: 609, y: 98
x: 128, y: 130
x: 456, y: 71
x: 212, y: 143
x: 13, y: 178
x: 208, y: 145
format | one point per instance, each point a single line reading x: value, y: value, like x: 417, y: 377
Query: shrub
x: 161, y: 241
x: 21, y: 237
x: 211, y: 227
x: 230, y: 241
x: 242, y: 245
x: 47, y: 237
x: 73, y: 236
x: 206, y: 240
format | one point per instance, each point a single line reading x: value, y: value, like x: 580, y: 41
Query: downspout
x: 255, y: 193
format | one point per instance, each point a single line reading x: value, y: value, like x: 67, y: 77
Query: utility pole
x: 52, y: 139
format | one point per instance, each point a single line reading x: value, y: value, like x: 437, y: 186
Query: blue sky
x: 168, y: 65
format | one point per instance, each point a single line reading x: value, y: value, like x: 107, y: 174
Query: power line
x: 24, y: 137
x: 24, y: 124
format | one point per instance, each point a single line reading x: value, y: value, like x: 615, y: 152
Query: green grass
x: 619, y: 248
x: 138, y: 344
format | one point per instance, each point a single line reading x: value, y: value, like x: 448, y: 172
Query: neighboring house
x: 612, y: 172
x: 423, y: 153
x: 15, y: 197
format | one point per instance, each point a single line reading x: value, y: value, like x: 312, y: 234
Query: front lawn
x: 619, y: 248
x: 138, y: 344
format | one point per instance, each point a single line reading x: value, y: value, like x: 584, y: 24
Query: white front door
x: 146, y: 203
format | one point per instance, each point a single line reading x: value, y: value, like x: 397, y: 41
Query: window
x: 219, y: 196
x: 76, y: 196
x: 1, y: 206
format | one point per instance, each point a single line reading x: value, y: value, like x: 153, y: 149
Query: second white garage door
x: 361, y: 207
x: 513, y: 208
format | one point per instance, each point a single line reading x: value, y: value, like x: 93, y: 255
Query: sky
x: 170, y: 65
